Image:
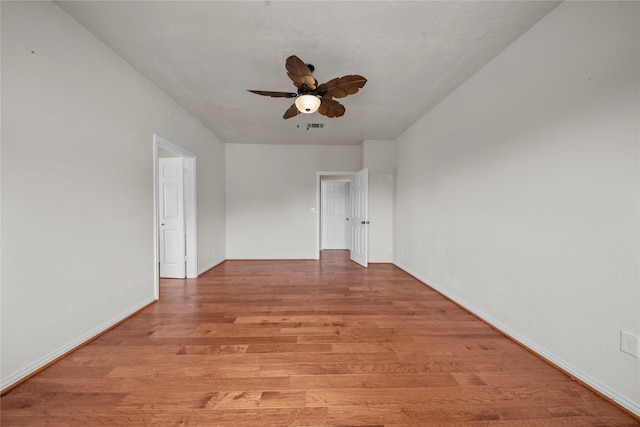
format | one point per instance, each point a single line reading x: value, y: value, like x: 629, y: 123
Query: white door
x: 336, y: 233
x: 359, y: 217
x: 171, y: 220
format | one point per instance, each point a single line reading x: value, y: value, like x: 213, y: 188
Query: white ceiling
x: 206, y: 54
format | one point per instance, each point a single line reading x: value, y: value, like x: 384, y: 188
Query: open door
x: 171, y: 217
x: 359, y: 217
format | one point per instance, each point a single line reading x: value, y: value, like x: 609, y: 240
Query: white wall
x: 77, y: 185
x: 518, y: 196
x: 377, y: 157
x: 271, y: 192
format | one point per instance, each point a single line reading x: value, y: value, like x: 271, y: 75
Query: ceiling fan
x: 312, y: 97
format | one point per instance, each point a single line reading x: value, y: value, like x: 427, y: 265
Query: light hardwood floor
x: 304, y: 343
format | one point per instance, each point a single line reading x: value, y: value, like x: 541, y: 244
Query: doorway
x: 335, y: 210
x: 186, y: 210
x: 358, y: 213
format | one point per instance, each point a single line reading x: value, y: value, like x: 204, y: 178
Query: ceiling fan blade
x: 343, y: 86
x: 291, y: 112
x: 299, y: 73
x: 274, y: 94
x: 331, y: 108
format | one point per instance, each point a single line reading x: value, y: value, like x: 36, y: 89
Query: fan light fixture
x: 307, y: 103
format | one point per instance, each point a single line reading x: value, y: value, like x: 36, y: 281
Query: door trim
x: 191, y: 207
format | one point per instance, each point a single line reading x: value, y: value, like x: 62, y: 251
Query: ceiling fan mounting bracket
x: 304, y: 90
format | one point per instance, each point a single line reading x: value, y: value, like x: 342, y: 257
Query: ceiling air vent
x: 315, y: 126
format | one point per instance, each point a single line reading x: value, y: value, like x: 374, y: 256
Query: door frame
x: 190, y: 206
x: 319, y: 176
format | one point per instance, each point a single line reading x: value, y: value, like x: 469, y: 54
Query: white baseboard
x: 601, y: 388
x: 72, y: 345
x: 211, y: 265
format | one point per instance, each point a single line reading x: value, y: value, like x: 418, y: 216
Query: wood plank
x: 304, y: 343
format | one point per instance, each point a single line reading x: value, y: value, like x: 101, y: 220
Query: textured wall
x: 271, y: 191
x: 77, y: 185
x: 518, y: 195
x: 377, y: 157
